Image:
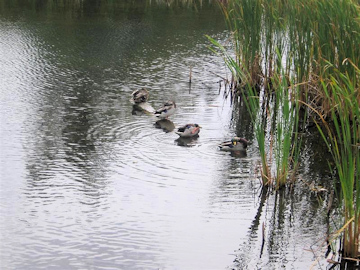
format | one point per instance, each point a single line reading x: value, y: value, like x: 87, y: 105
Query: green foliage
x: 285, y: 125
x: 282, y: 137
x: 301, y: 52
x: 342, y: 136
x: 306, y: 32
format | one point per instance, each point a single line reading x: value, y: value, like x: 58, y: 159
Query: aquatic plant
x: 304, y: 32
x: 275, y: 119
x: 341, y: 133
x: 252, y: 103
x: 290, y: 56
x: 285, y: 127
x: 244, y: 21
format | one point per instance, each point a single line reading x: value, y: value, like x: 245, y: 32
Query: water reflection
x: 136, y: 110
x: 187, y: 142
x: 238, y: 153
x: 241, y: 120
x: 165, y: 124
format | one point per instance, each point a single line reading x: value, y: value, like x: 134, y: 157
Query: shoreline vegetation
x: 295, y: 64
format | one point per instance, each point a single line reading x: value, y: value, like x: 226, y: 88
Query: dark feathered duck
x: 235, y: 144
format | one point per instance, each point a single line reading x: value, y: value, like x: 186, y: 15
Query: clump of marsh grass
x: 304, y: 31
x: 286, y: 124
x: 253, y: 102
x: 244, y: 19
x: 341, y: 133
x: 275, y: 118
x: 280, y: 71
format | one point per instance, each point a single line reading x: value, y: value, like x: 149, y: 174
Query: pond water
x: 88, y: 182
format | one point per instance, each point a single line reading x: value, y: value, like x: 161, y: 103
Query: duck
x: 167, y: 110
x: 188, y: 130
x: 140, y: 95
x: 235, y: 144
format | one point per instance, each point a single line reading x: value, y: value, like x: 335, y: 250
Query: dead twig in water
x: 190, y: 75
x: 221, y: 77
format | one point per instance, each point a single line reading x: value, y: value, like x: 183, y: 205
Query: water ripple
x: 89, y: 182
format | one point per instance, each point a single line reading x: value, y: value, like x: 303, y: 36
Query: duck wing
x: 226, y: 144
x: 162, y: 110
x: 181, y: 129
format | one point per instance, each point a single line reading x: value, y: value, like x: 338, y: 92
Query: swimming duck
x: 140, y: 95
x: 167, y: 110
x: 235, y: 144
x: 188, y: 130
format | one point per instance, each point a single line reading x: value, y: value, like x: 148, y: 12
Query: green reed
x: 285, y: 130
x: 306, y: 31
x: 252, y: 102
x: 280, y: 48
x: 275, y: 118
x: 284, y: 113
x: 244, y: 21
x: 341, y: 134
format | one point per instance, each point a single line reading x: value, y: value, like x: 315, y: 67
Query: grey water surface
x: 89, y: 182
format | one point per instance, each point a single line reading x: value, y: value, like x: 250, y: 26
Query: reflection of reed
x: 242, y: 259
x: 179, y: 2
x: 84, y: 6
x: 74, y: 5
x: 287, y: 215
x: 256, y: 221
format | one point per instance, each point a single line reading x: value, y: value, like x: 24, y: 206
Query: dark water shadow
x: 239, y: 154
x: 187, y: 142
x: 142, y: 108
x: 136, y: 110
x: 165, y: 124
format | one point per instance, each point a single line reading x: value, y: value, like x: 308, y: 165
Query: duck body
x: 188, y: 130
x: 140, y: 96
x: 235, y: 144
x: 167, y: 110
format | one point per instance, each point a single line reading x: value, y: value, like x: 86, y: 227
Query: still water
x: 88, y: 182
